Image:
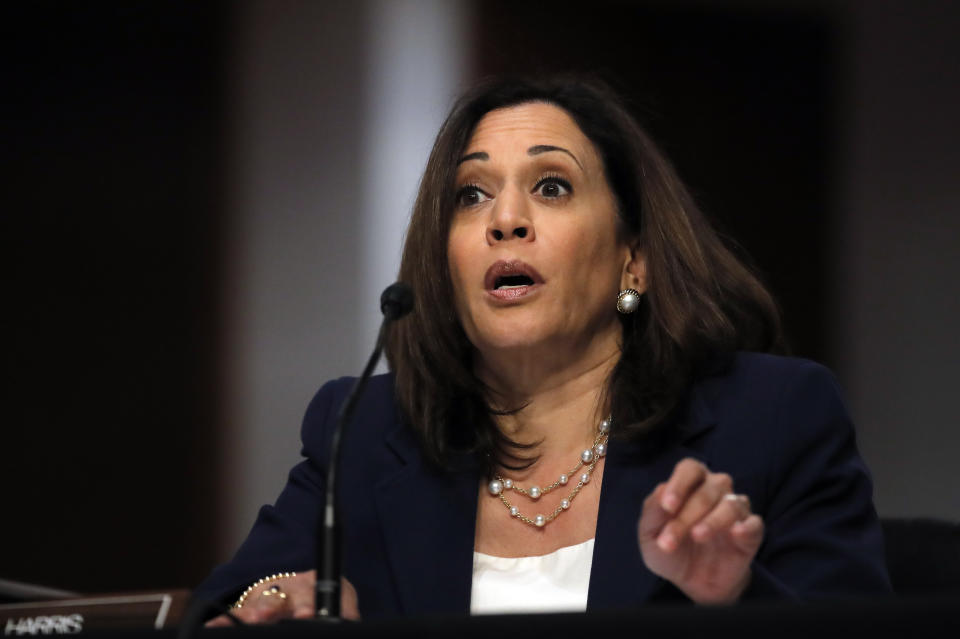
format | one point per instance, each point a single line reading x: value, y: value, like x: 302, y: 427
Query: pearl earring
x: 628, y: 301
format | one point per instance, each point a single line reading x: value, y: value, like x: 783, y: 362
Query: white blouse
x: 557, y: 582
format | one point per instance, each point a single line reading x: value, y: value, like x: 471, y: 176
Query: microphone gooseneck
x: 395, y: 302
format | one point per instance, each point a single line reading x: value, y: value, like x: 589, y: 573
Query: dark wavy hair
x: 701, y: 302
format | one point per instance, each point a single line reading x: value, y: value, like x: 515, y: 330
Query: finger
x: 296, y: 592
x: 687, y: 475
x: 349, y: 605
x: 729, y: 510
x: 300, y: 595
x: 748, y: 534
x: 304, y: 610
x: 304, y: 607
x: 249, y: 614
x: 218, y: 622
x: 269, y: 605
x: 653, y: 516
x: 274, y: 596
x: 696, y: 507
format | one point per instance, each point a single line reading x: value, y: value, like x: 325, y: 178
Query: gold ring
x: 274, y: 590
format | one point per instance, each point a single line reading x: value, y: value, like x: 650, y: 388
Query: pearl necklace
x: 589, y: 458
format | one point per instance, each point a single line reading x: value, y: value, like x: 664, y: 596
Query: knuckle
x: 729, y: 515
x: 723, y: 480
x: 689, y: 465
x: 703, y: 499
x: 700, y: 506
x: 689, y: 516
x: 265, y: 614
x: 655, y: 494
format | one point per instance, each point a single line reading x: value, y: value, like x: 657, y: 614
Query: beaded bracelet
x: 265, y: 580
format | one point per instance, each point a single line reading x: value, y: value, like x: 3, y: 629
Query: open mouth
x: 509, y: 280
x: 512, y: 281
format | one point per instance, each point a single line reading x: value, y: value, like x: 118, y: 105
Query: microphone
x: 395, y: 302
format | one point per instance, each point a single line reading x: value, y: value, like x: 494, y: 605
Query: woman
x: 573, y: 420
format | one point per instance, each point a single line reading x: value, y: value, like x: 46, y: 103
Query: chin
x: 507, y: 335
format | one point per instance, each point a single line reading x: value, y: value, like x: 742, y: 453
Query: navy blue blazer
x: 777, y: 425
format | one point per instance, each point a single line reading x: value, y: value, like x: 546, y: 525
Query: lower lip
x: 510, y: 294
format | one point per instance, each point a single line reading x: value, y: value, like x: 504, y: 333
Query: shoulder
x: 332, y: 394
x: 767, y: 384
x: 770, y: 411
x: 375, y: 409
x: 765, y: 370
x: 778, y: 418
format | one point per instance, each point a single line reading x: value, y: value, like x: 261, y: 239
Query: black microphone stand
x: 395, y: 302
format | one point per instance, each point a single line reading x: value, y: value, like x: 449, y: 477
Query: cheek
x: 458, y: 262
x: 457, y: 259
x: 590, y: 255
x: 598, y: 269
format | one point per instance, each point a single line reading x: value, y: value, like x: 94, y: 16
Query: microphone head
x: 396, y: 300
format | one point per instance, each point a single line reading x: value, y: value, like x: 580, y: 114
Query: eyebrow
x: 479, y: 155
x: 533, y: 150
x: 545, y: 148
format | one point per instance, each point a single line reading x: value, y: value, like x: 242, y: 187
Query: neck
x: 561, y: 405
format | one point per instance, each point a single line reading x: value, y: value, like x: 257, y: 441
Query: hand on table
x: 288, y: 598
x: 696, y: 533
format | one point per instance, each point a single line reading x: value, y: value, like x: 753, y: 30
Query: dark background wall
x: 897, y: 249
x: 112, y: 215
x: 820, y: 135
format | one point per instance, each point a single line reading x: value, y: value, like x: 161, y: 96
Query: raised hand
x: 698, y: 534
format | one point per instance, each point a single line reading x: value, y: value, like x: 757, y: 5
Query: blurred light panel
x: 417, y: 65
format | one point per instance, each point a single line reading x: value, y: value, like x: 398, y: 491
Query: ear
x: 634, y: 274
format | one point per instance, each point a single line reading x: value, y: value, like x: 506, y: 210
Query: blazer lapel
x: 618, y: 577
x: 429, y: 521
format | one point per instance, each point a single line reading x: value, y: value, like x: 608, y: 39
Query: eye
x: 471, y: 195
x: 553, y: 186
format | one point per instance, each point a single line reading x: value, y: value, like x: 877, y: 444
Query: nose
x: 510, y: 219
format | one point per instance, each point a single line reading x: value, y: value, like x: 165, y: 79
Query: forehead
x: 522, y: 126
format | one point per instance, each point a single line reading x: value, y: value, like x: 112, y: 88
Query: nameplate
x: 70, y: 616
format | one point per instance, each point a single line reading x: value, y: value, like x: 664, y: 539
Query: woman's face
x: 534, y: 253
